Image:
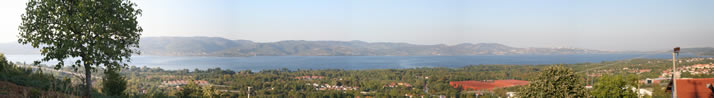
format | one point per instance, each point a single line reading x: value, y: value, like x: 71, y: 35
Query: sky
x: 640, y: 25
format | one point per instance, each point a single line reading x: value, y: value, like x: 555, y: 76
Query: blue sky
x: 592, y: 24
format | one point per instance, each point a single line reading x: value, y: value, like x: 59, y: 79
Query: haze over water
x: 258, y: 63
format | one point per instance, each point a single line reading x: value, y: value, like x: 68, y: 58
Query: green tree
x: 189, y: 90
x: 113, y: 83
x: 659, y: 91
x: 555, y: 82
x: 3, y: 62
x: 615, y: 86
x: 97, y: 32
x: 210, y: 92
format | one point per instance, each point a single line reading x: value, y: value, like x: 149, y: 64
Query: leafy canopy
x: 97, y: 32
x: 555, y: 82
x: 615, y: 86
x: 113, y: 83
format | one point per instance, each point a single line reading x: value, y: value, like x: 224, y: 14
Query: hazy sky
x: 592, y: 24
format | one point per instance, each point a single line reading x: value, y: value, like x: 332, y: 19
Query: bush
x: 26, y: 77
x: 34, y: 93
x: 113, y: 83
x: 555, y: 82
x: 615, y: 86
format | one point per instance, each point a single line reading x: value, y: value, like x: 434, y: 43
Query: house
x: 511, y: 94
x: 184, y: 82
x: 397, y: 84
x: 645, y: 70
x: 653, y: 80
x: 694, y: 88
x: 331, y: 87
x: 643, y: 92
x: 487, y: 85
x: 309, y: 77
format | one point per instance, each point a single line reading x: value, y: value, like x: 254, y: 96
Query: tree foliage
x: 113, y: 83
x: 555, y: 82
x: 659, y: 91
x: 194, y: 90
x: 190, y: 89
x: 97, y: 32
x: 30, y: 77
x: 615, y: 86
x: 3, y: 62
x: 283, y: 82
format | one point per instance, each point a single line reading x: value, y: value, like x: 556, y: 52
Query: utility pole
x: 249, y: 91
x: 674, y: 71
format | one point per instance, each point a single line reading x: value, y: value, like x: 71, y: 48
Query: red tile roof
x: 694, y: 88
x: 487, y: 85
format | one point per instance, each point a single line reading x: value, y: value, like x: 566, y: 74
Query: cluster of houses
x: 637, y: 71
x: 324, y: 86
x: 486, y: 84
x: 398, y: 84
x: 694, y: 69
x: 331, y: 87
x: 699, y: 69
x: 309, y: 77
x: 598, y: 73
x: 179, y: 83
x: 694, y: 59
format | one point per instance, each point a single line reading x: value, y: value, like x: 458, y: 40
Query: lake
x: 258, y: 63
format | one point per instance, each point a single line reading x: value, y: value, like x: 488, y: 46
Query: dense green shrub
x: 30, y: 77
x: 555, y: 82
x: 615, y: 86
x: 113, y: 83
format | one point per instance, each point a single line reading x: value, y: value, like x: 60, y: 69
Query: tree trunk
x: 87, y: 81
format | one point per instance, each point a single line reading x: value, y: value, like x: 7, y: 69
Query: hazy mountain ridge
x: 702, y: 51
x: 216, y: 46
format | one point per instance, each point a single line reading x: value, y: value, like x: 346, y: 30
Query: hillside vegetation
x: 12, y: 90
x: 217, y: 82
x: 27, y: 82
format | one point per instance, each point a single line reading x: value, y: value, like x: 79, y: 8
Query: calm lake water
x: 258, y: 63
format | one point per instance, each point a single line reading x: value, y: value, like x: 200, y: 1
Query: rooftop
x: 487, y: 85
x: 695, y: 88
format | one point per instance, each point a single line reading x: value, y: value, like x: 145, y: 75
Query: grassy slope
x: 12, y: 90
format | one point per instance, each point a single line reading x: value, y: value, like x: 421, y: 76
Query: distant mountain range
x: 216, y: 46
x: 703, y: 51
